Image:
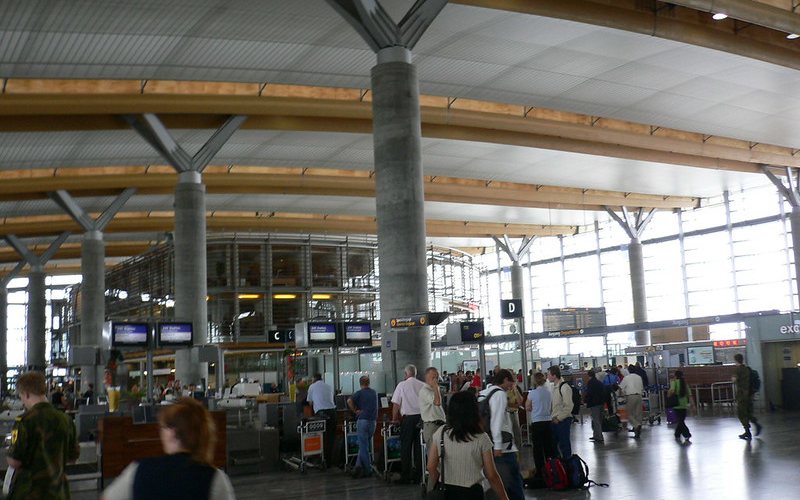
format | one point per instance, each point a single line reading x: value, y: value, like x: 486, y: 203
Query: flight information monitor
x: 175, y: 334
x: 321, y: 333
x: 129, y: 334
x: 358, y: 333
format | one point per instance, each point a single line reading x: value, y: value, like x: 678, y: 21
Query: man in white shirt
x: 632, y: 388
x: 505, y: 452
x: 320, y: 397
x: 430, y: 405
x: 562, y: 411
x: 405, y: 404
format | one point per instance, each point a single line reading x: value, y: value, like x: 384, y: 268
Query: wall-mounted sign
x: 281, y: 336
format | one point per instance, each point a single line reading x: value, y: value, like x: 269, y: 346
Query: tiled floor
x: 716, y: 466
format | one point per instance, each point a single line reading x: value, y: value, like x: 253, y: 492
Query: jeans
x: 365, y: 429
x: 410, y: 450
x: 561, y: 431
x: 508, y: 468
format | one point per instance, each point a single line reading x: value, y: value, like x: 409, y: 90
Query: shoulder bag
x: 439, y: 490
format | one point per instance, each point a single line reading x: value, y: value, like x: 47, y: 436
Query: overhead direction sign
x: 511, y: 308
x: 418, y: 320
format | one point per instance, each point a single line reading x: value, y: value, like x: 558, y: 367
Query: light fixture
x: 321, y: 296
x: 284, y: 296
x: 719, y: 16
x: 792, y: 36
x: 246, y: 296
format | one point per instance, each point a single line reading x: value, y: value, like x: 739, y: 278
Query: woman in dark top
x: 188, y: 437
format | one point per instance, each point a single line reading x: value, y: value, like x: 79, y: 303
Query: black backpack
x: 576, y: 397
x: 755, y: 381
x: 485, y: 412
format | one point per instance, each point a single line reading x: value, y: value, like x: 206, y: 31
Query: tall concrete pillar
x: 517, y: 284
x: 400, y: 198
x: 794, y: 219
x: 190, y: 270
x: 636, y: 263
x: 93, y: 286
x: 3, y: 341
x: 37, y: 326
x: 634, y: 225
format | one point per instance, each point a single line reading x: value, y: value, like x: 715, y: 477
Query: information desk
x: 122, y: 442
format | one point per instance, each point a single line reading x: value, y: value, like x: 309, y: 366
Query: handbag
x: 439, y: 491
x: 672, y: 401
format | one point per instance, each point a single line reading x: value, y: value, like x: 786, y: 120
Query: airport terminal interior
x: 220, y: 199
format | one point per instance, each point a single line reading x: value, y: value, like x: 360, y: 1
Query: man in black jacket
x: 595, y: 398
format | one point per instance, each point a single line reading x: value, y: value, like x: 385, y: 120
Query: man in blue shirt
x: 364, y: 403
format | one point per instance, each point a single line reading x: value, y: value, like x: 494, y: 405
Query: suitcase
x: 611, y: 424
x: 672, y: 417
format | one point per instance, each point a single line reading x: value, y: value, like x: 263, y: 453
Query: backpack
x: 755, y: 381
x: 576, y: 397
x: 555, y: 475
x: 485, y: 412
x: 578, y: 473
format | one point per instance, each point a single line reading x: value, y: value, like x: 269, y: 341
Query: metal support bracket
x: 69, y: 205
x: 791, y: 193
x: 633, y: 224
x: 156, y: 134
x: 36, y: 261
x: 5, y: 280
x: 507, y: 247
x: 378, y: 29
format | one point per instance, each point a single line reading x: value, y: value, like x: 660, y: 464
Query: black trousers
x: 330, y: 432
x: 543, y: 444
x: 681, y: 429
x: 410, y: 448
x: 453, y: 492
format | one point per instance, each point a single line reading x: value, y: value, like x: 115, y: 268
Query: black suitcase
x: 611, y: 424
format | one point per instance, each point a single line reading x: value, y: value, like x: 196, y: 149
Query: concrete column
x: 93, y: 306
x: 399, y: 198
x: 190, y: 270
x: 794, y: 219
x: 636, y: 262
x: 35, y: 359
x: 3, y: 341
x: 517, y: 290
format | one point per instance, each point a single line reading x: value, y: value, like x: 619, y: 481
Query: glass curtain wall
x: 734, y: 254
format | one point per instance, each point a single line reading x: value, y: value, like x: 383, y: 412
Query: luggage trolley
x: 312, y: 443
x: 653, y: 401
x: 351, y: 446
x: 391, y: 447
x: 423, y: 462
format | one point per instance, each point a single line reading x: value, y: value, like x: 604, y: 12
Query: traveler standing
x: 188, y: 437
x: 467, y: 452
x: 744, y: 397
x: 364, y: 403
x: 595, y: 401
x: 505, y: 452
x: 561, y: 414
x: 539, y: 403
x: 405, y: 401
x: 430, y: 405
x: 679, y: 387
x: 43, y: 441
x: 514, y: 403
x: 632, y: 388
x: 320, y: 397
